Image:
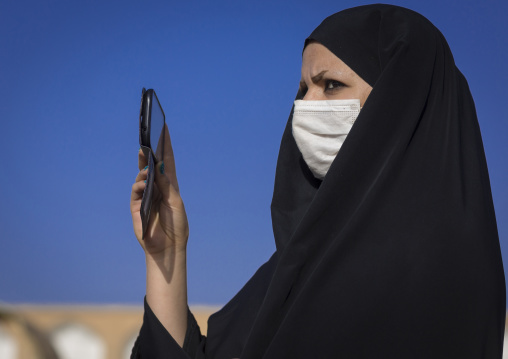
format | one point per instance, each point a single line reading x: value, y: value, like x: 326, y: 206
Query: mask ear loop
x: 146, y: 201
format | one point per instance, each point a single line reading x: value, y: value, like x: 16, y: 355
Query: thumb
x: 162, y: 180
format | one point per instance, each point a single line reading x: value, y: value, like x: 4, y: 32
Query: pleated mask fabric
x: 320, y: 128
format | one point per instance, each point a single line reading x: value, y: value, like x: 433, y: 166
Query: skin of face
x: 326, y: 77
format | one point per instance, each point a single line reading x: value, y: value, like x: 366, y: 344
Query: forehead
x: 317, y: 58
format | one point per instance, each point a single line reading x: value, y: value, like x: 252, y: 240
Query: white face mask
x: 320, y: 128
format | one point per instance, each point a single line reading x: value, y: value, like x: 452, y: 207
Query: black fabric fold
x: 155, y: 342
x: 194, y: 343
x: 395, y: 254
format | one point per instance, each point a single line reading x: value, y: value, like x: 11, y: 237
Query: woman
x: 388, y: 249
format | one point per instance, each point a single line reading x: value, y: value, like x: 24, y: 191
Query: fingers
x: 142, y: 161
x: 137, y: 191
x: 169, y: 159
x: 142, y: 174
x: 139, y: 186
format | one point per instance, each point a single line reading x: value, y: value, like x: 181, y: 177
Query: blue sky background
x: 226, y: 73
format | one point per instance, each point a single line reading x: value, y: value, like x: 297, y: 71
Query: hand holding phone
x: 151, y: 141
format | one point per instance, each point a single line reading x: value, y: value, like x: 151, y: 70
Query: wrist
x: 166, y: 291
x: 166, y: 261
x: 162, y: 256
x: 165, y: 273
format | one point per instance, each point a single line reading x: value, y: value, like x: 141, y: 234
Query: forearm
x: 166, y: 291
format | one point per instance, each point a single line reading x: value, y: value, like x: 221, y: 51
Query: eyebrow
x: 315, y: 78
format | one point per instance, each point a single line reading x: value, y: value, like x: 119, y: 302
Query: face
x: 326, y: 77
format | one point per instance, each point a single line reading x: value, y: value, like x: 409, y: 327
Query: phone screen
x: 151, y: 141
x: 157, y: 120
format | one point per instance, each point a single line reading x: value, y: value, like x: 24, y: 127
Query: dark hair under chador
x: 395, y: 254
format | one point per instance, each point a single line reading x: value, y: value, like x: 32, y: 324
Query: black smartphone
x: 151, y: 141
x: 151, y: 124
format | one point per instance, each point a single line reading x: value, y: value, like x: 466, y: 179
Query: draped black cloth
x: 395, y: 254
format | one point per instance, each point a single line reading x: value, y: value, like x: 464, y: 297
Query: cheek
x: 349, y: 93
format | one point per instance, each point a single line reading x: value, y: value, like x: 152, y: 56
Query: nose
x: 313, y: 94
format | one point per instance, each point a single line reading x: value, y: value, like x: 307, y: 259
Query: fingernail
x: 144, y: 181
x: 144, y: 169
x: 161, y: 168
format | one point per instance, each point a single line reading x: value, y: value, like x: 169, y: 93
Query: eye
x: 331, y: 85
